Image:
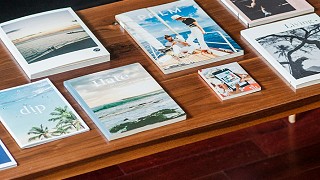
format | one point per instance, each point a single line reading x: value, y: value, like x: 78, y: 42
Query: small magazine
x: 124, y: 101
x: 37, y: 113
x: 52, y: 42
x: 178, y: 35
x: 6, y: 159
x: 257, y: 12
x: 229, y: 80
x: 291, y: 46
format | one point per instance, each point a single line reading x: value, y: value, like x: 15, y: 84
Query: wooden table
x: 207, y: 115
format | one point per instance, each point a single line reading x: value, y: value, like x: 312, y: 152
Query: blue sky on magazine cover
x: 37, y: 25
x: 182, y: 8
x: 13, y: 101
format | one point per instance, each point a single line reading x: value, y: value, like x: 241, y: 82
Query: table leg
x: 292, y: 118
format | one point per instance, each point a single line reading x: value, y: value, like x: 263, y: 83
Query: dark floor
x: 273, y: 150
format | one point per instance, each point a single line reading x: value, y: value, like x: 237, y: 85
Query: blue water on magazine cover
x: 37, y: 49
x: 211, y: 36
x: 136, y: 109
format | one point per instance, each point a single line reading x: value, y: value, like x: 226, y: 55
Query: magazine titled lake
x: 125, y: 100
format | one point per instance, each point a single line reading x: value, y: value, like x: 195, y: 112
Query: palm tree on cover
x: 65, y: 117
x: 40, y: 133
x: 61, y: 130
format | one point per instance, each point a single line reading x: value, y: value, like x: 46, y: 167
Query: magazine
x: 257, y: 12
x: 229, y: 80
x: 291, y: 47
x: 178, y: 35
x: 6, y: 159
x: 37, y: 113
x: 124, y: 101
x: 52, y: 42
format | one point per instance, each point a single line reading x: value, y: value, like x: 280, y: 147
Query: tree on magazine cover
x: 296, y: 46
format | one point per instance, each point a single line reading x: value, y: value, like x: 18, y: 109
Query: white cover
x: 253, y: 33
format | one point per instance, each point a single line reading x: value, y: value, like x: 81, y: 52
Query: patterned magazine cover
x: 229, y: 80
x: 37, y: 113
x: 178, y: 34
x: 124, y: 100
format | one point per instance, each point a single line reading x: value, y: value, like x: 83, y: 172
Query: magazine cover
x: 50, y: 40
x: 256, y: 12
x: 291, y: 46
x: 178, y: 35
x: 124, y: 101
x: 6, y: 159
x: 37, y: 113
x: 229, y: 80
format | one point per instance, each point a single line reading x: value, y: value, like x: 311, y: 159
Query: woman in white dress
x: 197, y: 32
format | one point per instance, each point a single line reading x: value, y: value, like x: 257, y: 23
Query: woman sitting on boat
x: 179, y: 46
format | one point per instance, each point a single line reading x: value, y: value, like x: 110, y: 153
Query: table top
x: 207, y: 115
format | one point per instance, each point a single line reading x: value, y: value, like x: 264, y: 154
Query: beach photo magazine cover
x: 124, y: 101
x: 6, y: 159
x: 179, y: 35
x: 37, y: 113
x: 48, y: 41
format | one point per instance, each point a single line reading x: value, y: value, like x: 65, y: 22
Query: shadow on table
x: 18, y: 8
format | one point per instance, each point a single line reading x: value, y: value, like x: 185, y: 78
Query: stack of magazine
x: 257, y: 12
x: 52, y: 42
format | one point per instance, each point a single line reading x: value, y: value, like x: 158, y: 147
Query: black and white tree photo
x: 297, y: 50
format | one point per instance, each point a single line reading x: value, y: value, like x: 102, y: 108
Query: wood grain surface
x: 207, y: 115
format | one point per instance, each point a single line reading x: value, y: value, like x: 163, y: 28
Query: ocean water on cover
x: 137, y: 107
x: 32, y: 50
x: 209, y: 37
